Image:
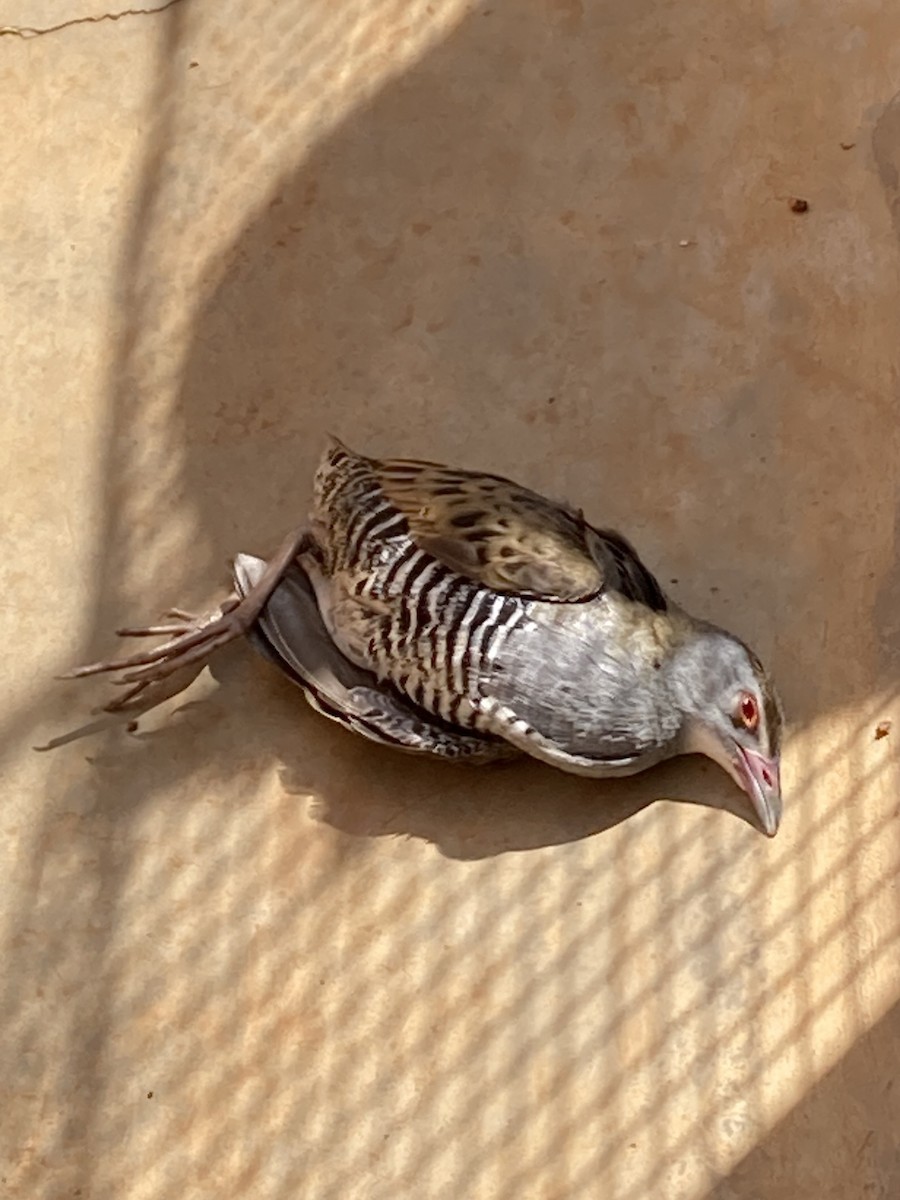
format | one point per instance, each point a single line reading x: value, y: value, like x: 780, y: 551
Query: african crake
x: 462, y: 615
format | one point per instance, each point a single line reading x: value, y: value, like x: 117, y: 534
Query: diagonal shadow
x: 843, y: 1138
x: 470, y: 266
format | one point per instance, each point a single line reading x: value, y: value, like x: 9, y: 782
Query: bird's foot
x: 190, y: 642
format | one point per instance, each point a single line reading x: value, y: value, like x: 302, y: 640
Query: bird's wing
x: 511, y: 539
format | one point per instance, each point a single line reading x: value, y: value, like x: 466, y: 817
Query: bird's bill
x: 760, y: 777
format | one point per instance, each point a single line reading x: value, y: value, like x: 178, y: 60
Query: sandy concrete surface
x: 243, y: 953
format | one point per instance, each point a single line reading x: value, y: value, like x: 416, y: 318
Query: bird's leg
x: 191, y: 640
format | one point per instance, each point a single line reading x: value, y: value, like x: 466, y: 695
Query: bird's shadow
x: 369, y: 791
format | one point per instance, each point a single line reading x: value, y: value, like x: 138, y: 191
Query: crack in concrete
x: 26, y: 32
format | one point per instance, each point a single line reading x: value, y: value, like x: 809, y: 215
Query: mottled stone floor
x: 243, y: 954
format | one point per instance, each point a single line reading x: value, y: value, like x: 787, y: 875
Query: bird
x: 460, y: 614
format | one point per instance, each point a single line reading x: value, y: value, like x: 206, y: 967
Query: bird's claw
x: 190, y: 642
x: 190, y: 639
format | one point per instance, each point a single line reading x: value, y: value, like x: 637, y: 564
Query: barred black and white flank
x: 460, y: 614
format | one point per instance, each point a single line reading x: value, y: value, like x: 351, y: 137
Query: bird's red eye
x: 749, y: 711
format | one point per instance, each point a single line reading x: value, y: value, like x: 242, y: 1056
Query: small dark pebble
x: 847, y: 145
x: 673, y: 581
x: 551, y: 400
x: 132, y: 727
x: 149, y: 1095
x: 193, y: 64
x: 799, y: 206
x: 882, y: 729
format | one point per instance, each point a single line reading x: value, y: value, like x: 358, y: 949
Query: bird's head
x: 732, y: 714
